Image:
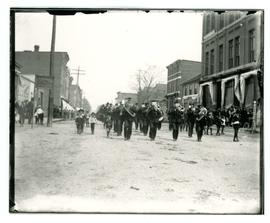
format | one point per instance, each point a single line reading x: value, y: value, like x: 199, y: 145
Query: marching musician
x: 190, y: 119
x: 175, y: 116
x: 155, y: 117
x: 128, y: 116
x: 201, y: 113
x: 145, y: 121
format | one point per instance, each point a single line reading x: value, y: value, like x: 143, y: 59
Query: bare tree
x: 145, y: 80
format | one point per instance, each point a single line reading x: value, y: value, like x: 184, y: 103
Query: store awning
x: 66, y: 105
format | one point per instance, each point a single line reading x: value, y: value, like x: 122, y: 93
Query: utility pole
x: 51, y: 90
x: 78, y: 72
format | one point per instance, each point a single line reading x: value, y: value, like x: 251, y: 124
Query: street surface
x: 58, y: 170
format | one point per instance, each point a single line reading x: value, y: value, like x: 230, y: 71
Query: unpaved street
x: 56, y: 169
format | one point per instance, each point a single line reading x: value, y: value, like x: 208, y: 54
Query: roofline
x: 180, y: 60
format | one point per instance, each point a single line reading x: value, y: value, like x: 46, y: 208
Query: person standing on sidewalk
x: 92, y: 121
x: 40, y: 114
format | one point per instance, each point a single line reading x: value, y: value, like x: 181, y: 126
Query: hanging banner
x: 243, y: 78
x: 236, y: 88
x: 210, y: 84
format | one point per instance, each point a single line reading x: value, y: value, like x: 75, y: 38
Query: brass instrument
x: 132, y: 114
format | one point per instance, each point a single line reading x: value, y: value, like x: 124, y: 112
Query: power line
x: 78, y: 73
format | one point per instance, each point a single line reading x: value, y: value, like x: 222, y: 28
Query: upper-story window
x: 212, y: 61
x: 190, y: 89
x: 221, y: 20
x: 220, y: 57
x: 230, y: 54
x: 213, y: 20
x: 231, y: 17
x: 251, y: 45
x: 208, y: 23
x: 186, y: 90
x: 207, y: 63
x: 237, y: 51
x: 195, y: 89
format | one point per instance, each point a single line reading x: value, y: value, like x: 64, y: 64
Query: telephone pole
x: 78, y: 72
x: 51, y: 90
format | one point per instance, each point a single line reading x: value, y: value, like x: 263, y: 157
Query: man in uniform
x: 154, y: 115
x: 145, y: 120
x: 175, y: 116
x: 201, y: 113
x: 128, y: 116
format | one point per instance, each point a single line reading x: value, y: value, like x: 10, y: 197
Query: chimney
x: 36, y: 48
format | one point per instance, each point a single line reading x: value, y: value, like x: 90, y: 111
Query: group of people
x: 148, y: 118
x: 84, y: 118
x: 25, y: 110
x: 203, y: 120
x: 119, y: 117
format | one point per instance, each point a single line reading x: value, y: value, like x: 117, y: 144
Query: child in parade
x: 92, y: 121
x: 108, y: 125
x: 79, y: 120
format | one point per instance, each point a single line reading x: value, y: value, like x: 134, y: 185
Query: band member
x: 200, y: 121
x: 175, y: 117
x: 128, y: 116
x: 145, y: 120
x: 190, y: 119
x: 155, y: 117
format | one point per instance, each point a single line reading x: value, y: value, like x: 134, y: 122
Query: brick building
x: 75, y: 96
x: 179, y: 72
x: 38, y: 63
x: 231, y: 54
x: 191, y: 91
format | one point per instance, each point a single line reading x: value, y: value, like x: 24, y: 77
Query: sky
x: 113, y: 46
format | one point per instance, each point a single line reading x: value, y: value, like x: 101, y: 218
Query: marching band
x: 148, y: 119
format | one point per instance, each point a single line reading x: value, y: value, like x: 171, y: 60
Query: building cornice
x: 228, y: 72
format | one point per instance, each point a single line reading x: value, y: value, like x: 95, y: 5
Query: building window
x: 230, y: 53
x: 213, y: 22
x: 251, y: 45
x: 195, y: 90
x: 185, y: 90
x: 208, y: 23
x: 221, y: 21
x: 220, y: 58
x: 231, y: 17
x: 212, y: 61
x: 207, y: 63
x: 237, y: 51
x: 190, y: 90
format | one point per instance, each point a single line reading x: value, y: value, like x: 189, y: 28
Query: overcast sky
x: 111, y: 47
